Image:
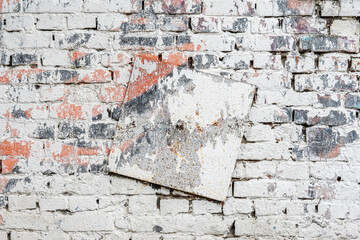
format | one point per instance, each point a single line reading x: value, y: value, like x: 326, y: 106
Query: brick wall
x: 65, y: 65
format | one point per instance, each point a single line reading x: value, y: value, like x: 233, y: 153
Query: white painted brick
x: 20, y: 202
x: 262, y: 169
x: 53, y: 203
x: 267, y: 60
x: 237, y: 206
x: 82, y: 222
x: 205, y: 206
x: 143, y: 204
x: 51, y: 22
x: 3, y: 236
x: 174, y: 206
x: 81, y: 22
x: 18, y: 23
x: 80, y: 204
x: 25, y: 235
x: 267, y: 207
x: 345, y: 27
x: 292, y: 170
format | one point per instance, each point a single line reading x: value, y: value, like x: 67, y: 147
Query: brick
x: 25, y: 235
x: 55, y: 58
x: 51, y: 22
x: 234, y: 24
x: 25, y: 221
x: 80, y: 204
x: 237, y: 206
x: 299, y: 64
x: 264, y: 150
x: 142, y: 23
x: 143, y: 204
x: 204, y: 207
x: 328, y: 82
x: 330, y: 8
x: 292, y: 170
x: 24, y: 59
x: 171, y: 7
x: 273, y: 43
x: 86, y: 222
x: 174, y: 206
x: 202, y: 43
x: 349, y: 8
x: 267, y: 60
x: 266, y: 25
x: 174, y: 24
x: 126, y: 6
x: 332, y: 62
x: 304, y: 25
x: 71, y: 130
x: 136, y: 42
x: 18, y: 23
x: 52, y: 93
x: 53, y: 203
x: 344, y: 27
x: 355, y: 64
x: 81, y: 22
x: 259, y: 133
x: 88, y: 40
x: 44, y: 131
x: 262, y: 169
x: 16, y: 40
x: 265, y: 80
x: 329, y: 100
x: 270, y: 207
x: 236, y: 61
x: 205, y: 24
x: 270, y: 114
x: 205, y: 61
x: 264, y: 227
x: 102, y: 130
x: 83, y: 58
x: 324, y: 117
x: 352, y: 101
x: 285, y: 7
x: 229, y: 8
x: 328, y: 44
x: 44, y: 6
x: 10, y: 6
x: 26, y: 93
x: 21, y: 202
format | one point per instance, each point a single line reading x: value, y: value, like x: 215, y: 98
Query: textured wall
x: 64, y: 70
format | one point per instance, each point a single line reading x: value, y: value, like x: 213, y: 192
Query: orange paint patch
x: 76, y: 55
x: 113, y: 94
x: 99, y: 75
x: 7, y: 165
x: 15, y: 148
x: 69, y: 111
x: 70, y: 154
x: 16, y: 75
x: 3, y: 182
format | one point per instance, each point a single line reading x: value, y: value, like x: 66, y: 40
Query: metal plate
x: 180, y: 128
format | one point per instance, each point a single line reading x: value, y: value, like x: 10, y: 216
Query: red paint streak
x: 15, y: 148
x: 8, y: 164
x: 113, y: 94
x: 14, y: 75
x: 69, y: 111
x: 148, y: 79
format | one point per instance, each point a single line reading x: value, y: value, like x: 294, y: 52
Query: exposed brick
x: 229, y: 8
x: 205, y: 61
x: 328, y: 44
x: 235, y: 24
x: 285, y: 7
x: 102, y: 130
x: 328, y: 82
x: 24, y: 59
x: 175, y: 23
x: 205, y: 24
x: 173, y: 7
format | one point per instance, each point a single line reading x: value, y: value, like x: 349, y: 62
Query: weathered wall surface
x: 64, y: 71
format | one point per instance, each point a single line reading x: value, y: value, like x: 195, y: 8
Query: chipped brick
x: 328, y: 44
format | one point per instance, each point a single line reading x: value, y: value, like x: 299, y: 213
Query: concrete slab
x: 180, y: 128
